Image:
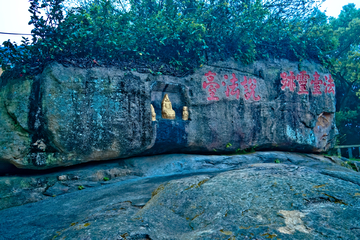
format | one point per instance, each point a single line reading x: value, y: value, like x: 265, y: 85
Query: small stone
x: 56, y: 190
x: 62, y: 178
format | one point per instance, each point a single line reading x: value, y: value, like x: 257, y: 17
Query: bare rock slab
x: 256, y: 201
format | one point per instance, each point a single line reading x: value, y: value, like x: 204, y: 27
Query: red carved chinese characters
x: 329, y: 86
x: 231, y: 89
x: 250, y: 92
x: 316, y: 82
x: 233, y: 86
x: 288, y: 81
x: 212, y: 85
x: 302, y: 79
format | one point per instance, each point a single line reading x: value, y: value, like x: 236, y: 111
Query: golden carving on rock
x: 185, y: 113
x: 166, y: 108
x: 153, y: 114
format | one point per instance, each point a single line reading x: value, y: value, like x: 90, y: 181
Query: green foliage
x: 344, y: 60
x: 80, y: 187
x: 166, y: 37
x: 344, y: 64
x: 348, y: 122
x: 277, y: 161
x: 246, y: 151
x: 228, y: 145
x: 106, y: 179
x: 350, y: 165
x: 30, y: 58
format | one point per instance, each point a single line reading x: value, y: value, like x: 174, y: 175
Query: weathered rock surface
x: 15, y: 139
x: 32, y: 186
x: 263, y: 195
x: 68, y: 115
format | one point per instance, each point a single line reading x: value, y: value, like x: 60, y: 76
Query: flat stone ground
x: 264, y: 195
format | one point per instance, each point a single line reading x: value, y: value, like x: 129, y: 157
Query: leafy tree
x: 164, y: 36
x: 344, y: 64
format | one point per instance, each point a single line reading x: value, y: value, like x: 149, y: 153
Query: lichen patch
x: 293, y: 222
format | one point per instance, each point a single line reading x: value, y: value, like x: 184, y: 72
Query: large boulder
x: 69, y: 115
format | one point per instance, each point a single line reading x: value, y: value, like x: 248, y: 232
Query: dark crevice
x: 288, y: 159
x: 37, y: 126
x: 322, y: 200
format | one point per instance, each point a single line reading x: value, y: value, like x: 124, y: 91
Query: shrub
x: 169, y: 36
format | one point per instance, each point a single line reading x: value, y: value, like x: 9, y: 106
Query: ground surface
x: 264, y: 195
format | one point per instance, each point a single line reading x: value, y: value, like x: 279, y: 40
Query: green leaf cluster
x: 344, y: 64
x: 176, y: 34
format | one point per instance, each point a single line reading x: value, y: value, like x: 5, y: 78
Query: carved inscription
x: 212, y: 86
x: 304, y: 80
x: 232, y: 86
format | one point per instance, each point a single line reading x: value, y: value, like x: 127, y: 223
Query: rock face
x: 263, y: 195
x: 68, y: 115
x: 26, y: 186
x: 15, y: 140
x: 246, y: 203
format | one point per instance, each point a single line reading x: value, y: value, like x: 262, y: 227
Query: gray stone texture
x: 263, y: 195
x: 67, y: 115
x: 24, y: 186
x: 15, y: 137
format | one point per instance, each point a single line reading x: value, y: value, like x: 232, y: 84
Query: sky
x: 14, y: 16
x: 334, y: 7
